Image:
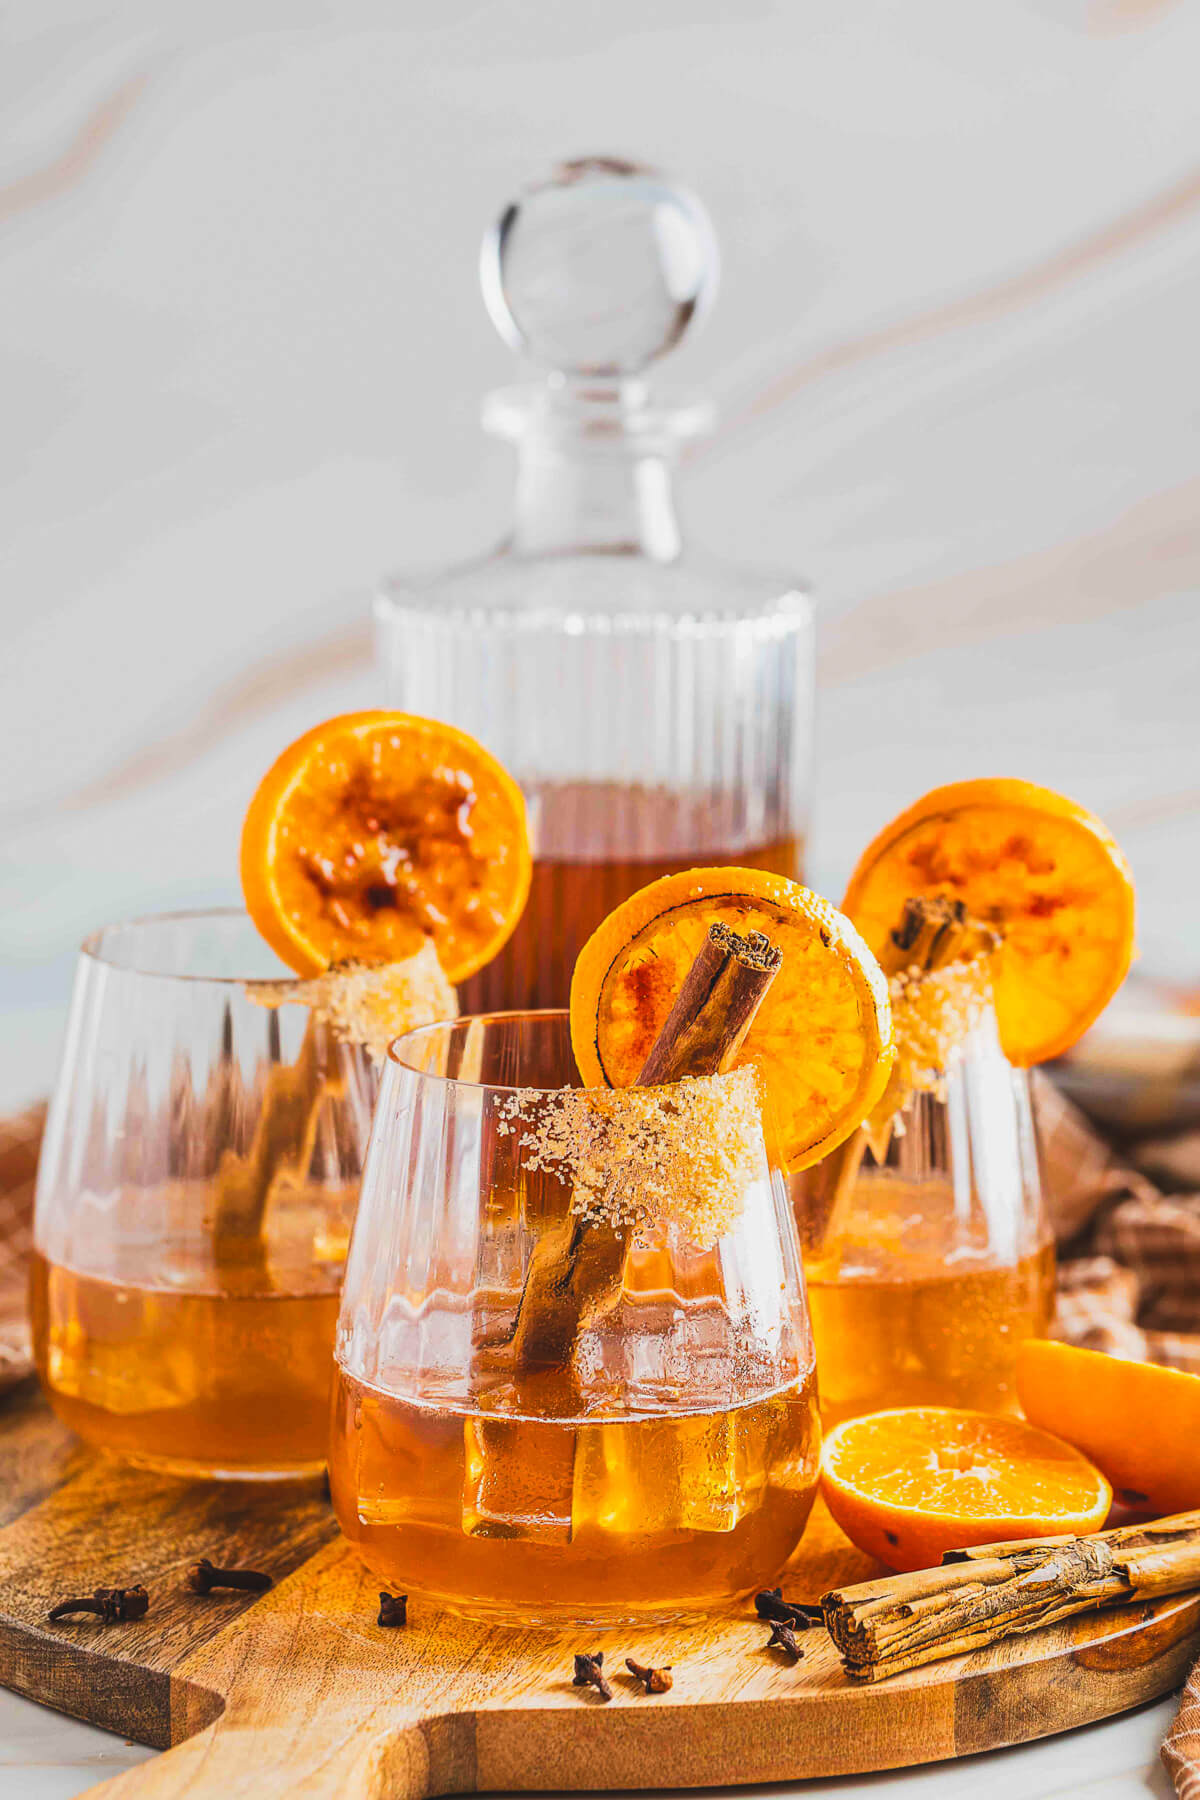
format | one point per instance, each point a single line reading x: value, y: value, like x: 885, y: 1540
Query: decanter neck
x: 615, y: 504
x: 594, y: 469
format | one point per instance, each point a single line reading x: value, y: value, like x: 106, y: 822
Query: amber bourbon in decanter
x: 655, y: 704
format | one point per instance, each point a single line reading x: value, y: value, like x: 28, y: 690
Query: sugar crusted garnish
x: 933, y: 1012
x: 371, y: 1003
x: 644, y: 1158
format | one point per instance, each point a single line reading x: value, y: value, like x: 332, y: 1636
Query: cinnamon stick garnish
x: 714, y: 1008
x: 279, y: 1153
x: 576, y: 1271
x: 933, y: 932
x: 993, y: 1591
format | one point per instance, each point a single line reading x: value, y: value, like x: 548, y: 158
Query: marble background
x: 242, y: 350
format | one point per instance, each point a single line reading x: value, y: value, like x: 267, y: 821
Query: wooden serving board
x: 299, y: 1692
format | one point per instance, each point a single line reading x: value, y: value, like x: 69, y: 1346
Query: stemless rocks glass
x: 194, y: 1202
x: 926, y: 1248
x: 574, y: 1370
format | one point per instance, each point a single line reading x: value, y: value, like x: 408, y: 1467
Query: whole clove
x: 783, y: 1637
x: 589, y: 1672
x: 771, y: 1606
x: 204, y: 1576
x: 393, y: 1609
x: 654, y: 1681
x: 108, y: 1604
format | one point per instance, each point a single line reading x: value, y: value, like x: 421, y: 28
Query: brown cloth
x: 1158, y: 1239
x: 1082, y: 1175
x: 1128, y: 1282
x: 1129, y: 1268
x: 1181, y: 1751
x: 20, y: 1140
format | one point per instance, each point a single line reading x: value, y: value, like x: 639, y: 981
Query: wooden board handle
x: 380, y: 1758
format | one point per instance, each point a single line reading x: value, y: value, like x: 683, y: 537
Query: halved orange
x: 910, y: 1484
x: 1138, y: 1422
x: 379, y: 831
x: 1043, y: 870
x: 822, y: 1038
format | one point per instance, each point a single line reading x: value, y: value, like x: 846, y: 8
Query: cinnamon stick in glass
x: 279, y: 1152
x: 576, y: 1270
x: 350, y: 1003
x: 933, y: 933
x: 994, y: 1591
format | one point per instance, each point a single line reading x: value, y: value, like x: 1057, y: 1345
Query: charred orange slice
x: 377, y: 832
x: 910, y: 1484
x: 1040, y: 868
x: 822, y: 1038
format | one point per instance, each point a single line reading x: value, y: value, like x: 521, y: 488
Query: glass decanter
x: 655, y: 704
x: 636, y: 1441
x: 927, y: 1253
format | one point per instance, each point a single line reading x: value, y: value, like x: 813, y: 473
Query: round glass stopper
x: 600, y: 268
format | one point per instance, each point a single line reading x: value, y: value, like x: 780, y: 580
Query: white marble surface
x: 241, y: 353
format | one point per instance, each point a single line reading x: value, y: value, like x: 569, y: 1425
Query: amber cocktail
x: 1003, y: 915
x: 195, y: 1197
x: 906, y: 1312
x: 199, y: 1369
x: 926, y: 1250
x: 571, y: 894
x: 647, y: 1452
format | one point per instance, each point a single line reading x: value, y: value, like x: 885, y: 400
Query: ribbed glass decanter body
x: 656, y: 706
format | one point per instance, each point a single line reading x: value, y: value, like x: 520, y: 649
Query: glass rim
x: 542, y: 1015
x: 92, y: 946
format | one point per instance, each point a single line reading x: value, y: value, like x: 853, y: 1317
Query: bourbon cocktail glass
x: 194, y: 1202
x: 574, y: 1369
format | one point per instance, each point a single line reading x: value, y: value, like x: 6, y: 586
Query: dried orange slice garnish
x: 379, y: 831
x: 1138, y: 1422
x: 910, y: 1484
x: 822, y: 1038
x: 1041, y: 869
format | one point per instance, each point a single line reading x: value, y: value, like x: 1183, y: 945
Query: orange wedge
x: 906, y: 1486
x: 822, y: 1038
x: 1043, y: 870
x: 378, y: 832
x: 1138, y: 1422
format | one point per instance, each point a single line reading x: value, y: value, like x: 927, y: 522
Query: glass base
x: 541, y: 1617
x: 135, y: 1440
x: 183, y: 1469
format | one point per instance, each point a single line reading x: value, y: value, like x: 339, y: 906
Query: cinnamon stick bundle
x: 993, y: 1591
x: 576, y: 1272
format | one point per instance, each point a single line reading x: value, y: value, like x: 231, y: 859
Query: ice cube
x: 658, y: 1478
x: 407, y: 1465
x: 518, y: 1479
